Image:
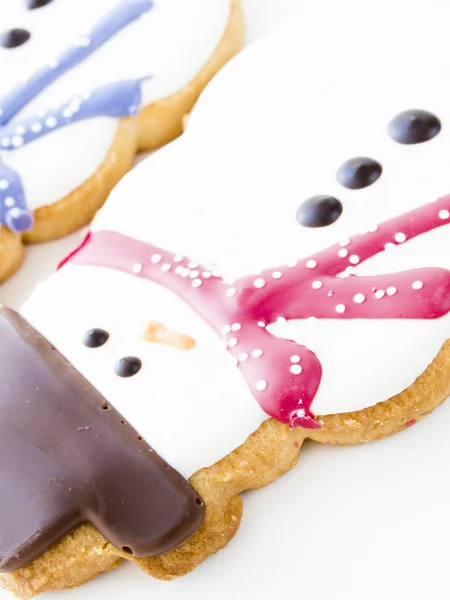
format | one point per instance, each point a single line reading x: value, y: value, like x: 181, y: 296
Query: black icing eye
x: 14, y: 38
x: 128, y: 366
x: 414, y: 127
x: 319, y: 211
x: 94, y: 338
x: 32, y: 4
x: 358, y: 173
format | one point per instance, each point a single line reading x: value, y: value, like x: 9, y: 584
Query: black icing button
x: 319, y: 211
x: 358, y: 173
x: 14, y: 38
x: 414, y: 127
x: 94, y: 338
x: 128, y: 366
x: 32, y: 4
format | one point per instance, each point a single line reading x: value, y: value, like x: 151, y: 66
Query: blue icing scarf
x: 119, y: 99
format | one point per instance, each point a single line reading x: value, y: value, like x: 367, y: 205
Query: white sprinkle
x: 192, y: 265
x: 340, y: 308
x: 226, y: 329
x: 277, y: 274
x: 156, y: 258
x: 5, y: 142
x: 67, y: 113
x: 330, y: 293
x: 17, y: 141
x: 391, y: 291
x: 259, y: 283
x: 312, y: 319
x: 36, y: 127
x: 4, y: 184
x: 185, y: 273
x: 292, y: 263
x: 373, y: 228
x: 9, y: 201
x: 194, y: 274
x: 179, y: 270
x: 295, y: 369
x: 300, y: 413
x: 232, y: 342
x: 206, y: 274
x: 344, y: 242
x: 343, y: 252
x: 400, y: 237
x: 243, y: 357
x: 137, y: 268
x: 281, y: 321
x: 417, y: 285
x: 51, y: 122
x: 261, y: 385
x: 316, y: 285
x: 354, y: 259
x: 177, y: 258
x: 84, y: 41
x: 350, y: 270
x: 380, y: 294
x: 231, y: 292
x: 20, y: 129
x: 15, y: 212
x: 295, y: 358
x: 359, y: 298
x: 444, y: 214
x: 261, y: 324
x: 390, y: 246
x: 311, y: 264
x: 257, y: 353
x: 165, y: 267
x: 236, y: 327
x: 197, y: 283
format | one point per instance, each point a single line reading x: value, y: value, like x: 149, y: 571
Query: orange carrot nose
x: 160, y: 334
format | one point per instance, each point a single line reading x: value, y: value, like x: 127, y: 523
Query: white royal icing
x: 171, y: 43
x: 270, y: 132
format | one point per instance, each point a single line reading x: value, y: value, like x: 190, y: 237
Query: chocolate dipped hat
x: 68, y: 457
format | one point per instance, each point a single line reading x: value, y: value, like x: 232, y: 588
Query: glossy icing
x: 114, y: 100
x: 232, y: 207
x: 285, y: 378
x: 129, y: 46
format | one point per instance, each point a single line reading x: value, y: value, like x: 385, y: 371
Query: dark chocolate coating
x: 68, y: 457
x: 319, y: 211
x: 14, y: 38
x: 358, y: 173
x: 414, y: 127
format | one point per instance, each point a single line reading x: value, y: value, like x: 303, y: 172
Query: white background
x: 359, y: 523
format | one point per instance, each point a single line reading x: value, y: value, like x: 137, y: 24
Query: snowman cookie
x: 290, y: 281
x: 72, y: 75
